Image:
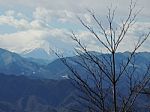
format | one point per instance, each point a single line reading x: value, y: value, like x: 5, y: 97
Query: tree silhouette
x: 102, y: 87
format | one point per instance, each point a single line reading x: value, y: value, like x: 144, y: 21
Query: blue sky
x: 29, y: 24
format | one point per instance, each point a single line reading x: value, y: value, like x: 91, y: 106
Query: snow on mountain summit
x: 38, y: 53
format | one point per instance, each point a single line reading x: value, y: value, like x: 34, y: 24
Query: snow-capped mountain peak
x: 38, y: 53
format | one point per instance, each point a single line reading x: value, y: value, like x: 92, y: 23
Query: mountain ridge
x: 22, y: 94
x: 38, y: 53
x: 13, y: 63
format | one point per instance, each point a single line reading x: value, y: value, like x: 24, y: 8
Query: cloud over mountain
x: 42, y: 24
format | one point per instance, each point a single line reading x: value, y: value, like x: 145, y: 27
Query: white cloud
x: 140, y: 27
x: 42, y: 14
x: 10, y: 13
x: 62, y: 16
x: 10, y: 20
x: 38, y: 24
x: 49, y: 15
x: 21, y: 40
x: 21, y: 23
x: 37, y: 30
x: 100, y: 6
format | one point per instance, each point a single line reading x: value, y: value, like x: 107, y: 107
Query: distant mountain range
x: 39, y: 55
x: 43, y: 55
x: 12, y: 63
x: 34, y: 84
x: 36, y: 67
x: 21, y: 94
